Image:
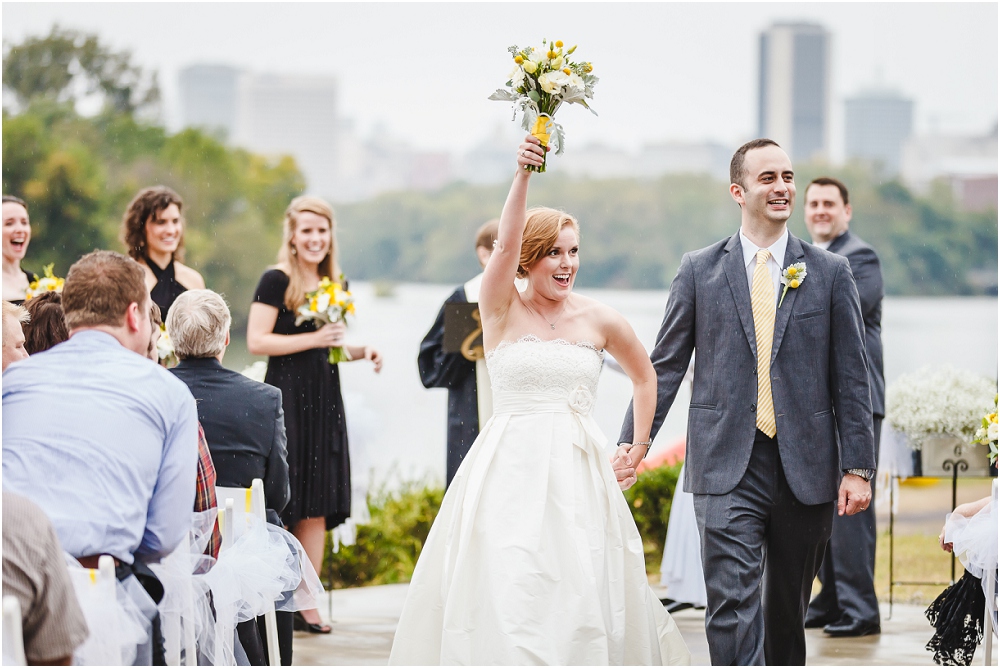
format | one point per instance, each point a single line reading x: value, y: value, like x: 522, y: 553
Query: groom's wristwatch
x: 867, y: 474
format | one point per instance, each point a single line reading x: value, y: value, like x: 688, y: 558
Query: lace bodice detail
x: 531, y: 364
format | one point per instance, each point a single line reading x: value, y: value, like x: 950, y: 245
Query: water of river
x: 402, y: 425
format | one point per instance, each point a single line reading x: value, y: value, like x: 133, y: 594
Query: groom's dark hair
x: 736, y: 171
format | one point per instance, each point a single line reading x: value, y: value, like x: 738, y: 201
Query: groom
x: 780, y: 371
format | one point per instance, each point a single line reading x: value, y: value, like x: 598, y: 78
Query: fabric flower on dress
x: 581, y: 400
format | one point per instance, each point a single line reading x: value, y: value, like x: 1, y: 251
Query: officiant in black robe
x: 453, y: 371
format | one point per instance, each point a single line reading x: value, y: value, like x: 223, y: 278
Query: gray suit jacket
x: 819, y: 375
x: 868, y: 277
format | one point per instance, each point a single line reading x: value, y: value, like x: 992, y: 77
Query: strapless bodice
x: 531, y: 374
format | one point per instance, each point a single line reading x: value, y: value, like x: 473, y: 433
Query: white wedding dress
x: 534, y: 557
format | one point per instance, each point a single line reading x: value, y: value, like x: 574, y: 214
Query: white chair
x: 108, y: 643
x: 13, y: 637
x: 175, y: 633
x: 251, y: 501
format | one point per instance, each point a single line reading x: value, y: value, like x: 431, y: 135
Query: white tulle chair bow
x: 261, y: 568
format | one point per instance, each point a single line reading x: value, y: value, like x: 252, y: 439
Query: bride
x: 534, y: 557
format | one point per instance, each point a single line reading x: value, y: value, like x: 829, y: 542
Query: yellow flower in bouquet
x: 541, y: 81
x: 328, y: 303
x: 47, y: 283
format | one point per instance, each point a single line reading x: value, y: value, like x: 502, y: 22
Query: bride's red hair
x: 540, y: 235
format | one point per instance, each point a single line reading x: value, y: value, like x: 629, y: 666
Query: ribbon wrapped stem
x: 541, y: 132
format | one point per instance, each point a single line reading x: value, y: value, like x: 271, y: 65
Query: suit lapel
x: 736, y: 274
x: 793, y: 253
x: 839, y: 242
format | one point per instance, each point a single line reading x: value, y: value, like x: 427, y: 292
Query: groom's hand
x: 623, y: 467
x: 855, y: 495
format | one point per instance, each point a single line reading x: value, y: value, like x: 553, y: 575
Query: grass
x: 916, y: 557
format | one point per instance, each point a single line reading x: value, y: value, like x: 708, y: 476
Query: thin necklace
x: 550, y: 324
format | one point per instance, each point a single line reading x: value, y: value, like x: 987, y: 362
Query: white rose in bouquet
x: 553, y: 82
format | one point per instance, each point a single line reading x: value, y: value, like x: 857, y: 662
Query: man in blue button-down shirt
x: 103, y: 439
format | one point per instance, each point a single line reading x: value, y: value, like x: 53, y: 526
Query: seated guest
x: 102, y: 440
x: 14, y: 317
x: 35, y: 573
x: 204, y: 497
x: 243, y: 419
x: 47, y: 327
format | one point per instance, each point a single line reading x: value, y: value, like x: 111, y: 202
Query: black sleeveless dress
x: 319, y: 464
x: 167, y: 289
x: 31, y: 279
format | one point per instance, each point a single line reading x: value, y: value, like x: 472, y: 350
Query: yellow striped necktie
x: 762, y: 301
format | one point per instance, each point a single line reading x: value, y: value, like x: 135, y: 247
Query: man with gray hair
x: 243, y: 421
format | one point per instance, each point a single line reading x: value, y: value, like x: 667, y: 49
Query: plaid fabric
x: 204, y: 498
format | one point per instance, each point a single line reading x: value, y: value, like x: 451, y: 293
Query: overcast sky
x: 668, y: 71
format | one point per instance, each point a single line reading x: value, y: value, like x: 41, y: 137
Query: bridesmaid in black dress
x: 153, y: 231
x: 319, y: 466
x: 16, y: 236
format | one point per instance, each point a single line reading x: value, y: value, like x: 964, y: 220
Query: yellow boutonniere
x: 792, y: 277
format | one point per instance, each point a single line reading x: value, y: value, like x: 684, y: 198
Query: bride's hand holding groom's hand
x: 624, y: 462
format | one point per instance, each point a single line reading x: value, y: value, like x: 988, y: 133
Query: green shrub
x: 650, y: 499
x: 386, y: 550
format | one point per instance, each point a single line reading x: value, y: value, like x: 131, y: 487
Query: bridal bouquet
x: 541, y: 81
x: 47, y: 283
x: 328, y: 303
x: 938, y: 401
x: 989, y: 431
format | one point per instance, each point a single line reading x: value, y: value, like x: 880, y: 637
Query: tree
x: 67, y: 65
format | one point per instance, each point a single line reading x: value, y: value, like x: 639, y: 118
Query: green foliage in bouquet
x: 650, y: 499
x: 387, y: 548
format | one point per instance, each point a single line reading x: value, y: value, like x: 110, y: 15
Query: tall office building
x: 297, y: 115
x: 876, y: 125
x: 795, y: 88
x: 209, y: 98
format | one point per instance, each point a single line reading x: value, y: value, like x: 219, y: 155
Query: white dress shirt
x: 105, y: 441
x: 773, y: 263
x: 823, y: 244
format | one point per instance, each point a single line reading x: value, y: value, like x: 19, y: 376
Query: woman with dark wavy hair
x: 153, y: 232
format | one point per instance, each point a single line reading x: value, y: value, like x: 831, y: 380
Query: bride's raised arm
x: 498, y: 291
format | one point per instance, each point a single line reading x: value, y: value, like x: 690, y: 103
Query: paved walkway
x: 364, y: 620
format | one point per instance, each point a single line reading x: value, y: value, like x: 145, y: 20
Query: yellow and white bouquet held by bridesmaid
x: 165, y: 349
x: 541, y: 81
x: 989, y: 432
x: 47, y: 283
x: 328, y: 303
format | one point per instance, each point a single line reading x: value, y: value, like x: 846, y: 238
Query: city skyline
x: 689, y: 72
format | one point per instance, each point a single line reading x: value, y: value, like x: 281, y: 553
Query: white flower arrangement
x: 935, y: 401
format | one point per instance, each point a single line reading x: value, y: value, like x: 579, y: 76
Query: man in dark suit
x: 244, y: 426
x: 462, y: 377
x: 781, y: 368
x: 847, y: 605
